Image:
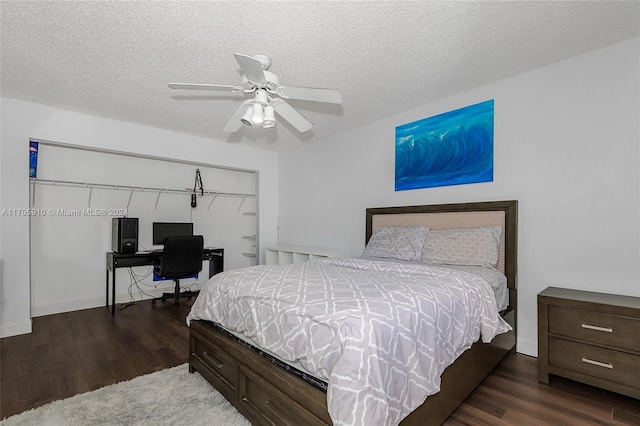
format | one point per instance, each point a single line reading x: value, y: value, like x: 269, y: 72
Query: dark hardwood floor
x: 76, y: 352
x: 80, y: 351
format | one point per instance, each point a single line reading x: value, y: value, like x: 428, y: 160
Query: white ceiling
x: 115, y: 58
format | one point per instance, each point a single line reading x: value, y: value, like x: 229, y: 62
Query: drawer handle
x: 596, y: 328
x: 273, y: 411
x: 212, y: 359
x: 598, y: 363
x: 282, y: 417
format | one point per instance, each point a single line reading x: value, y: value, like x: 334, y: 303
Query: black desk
x: 215, y: 256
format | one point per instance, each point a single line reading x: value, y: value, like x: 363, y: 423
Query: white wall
x: 566, y: 146
x: 22, y: 121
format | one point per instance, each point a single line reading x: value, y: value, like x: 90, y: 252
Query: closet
x: 77, y: 191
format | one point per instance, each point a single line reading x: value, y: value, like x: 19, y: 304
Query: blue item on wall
x: 33, y: 159
x: 453, y: 148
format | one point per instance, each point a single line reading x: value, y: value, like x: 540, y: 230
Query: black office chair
x: 181, y: 258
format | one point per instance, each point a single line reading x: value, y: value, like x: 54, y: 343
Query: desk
x: 215, y: 256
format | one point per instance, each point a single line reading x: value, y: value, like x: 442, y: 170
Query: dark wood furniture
x: 590, y: 337
x: 267, y: 394
x: 214, y: 255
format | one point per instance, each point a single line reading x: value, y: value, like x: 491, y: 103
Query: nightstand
x: 593, y: 338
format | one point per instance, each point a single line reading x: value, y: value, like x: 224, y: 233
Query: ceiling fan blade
x: 235, y: 124
x: 310, y: 94
x: 251, y: 67
x: 196, y: 86
x: 296, y: 119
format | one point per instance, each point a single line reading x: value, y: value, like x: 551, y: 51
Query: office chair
x: 181, y: 258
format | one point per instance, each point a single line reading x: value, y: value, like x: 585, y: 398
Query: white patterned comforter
x: 380, y: 333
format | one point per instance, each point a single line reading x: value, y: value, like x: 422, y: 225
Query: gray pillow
x: 463, y: 246
x: 397, y: 242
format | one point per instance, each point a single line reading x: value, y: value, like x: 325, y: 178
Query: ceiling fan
x: 267, y: 96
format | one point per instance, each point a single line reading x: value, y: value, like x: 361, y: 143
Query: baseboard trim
x: 15, y: 329
x: 527, y: 347
x: 94, y: 302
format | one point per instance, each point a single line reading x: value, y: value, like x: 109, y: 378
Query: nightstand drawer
x: 604, y: 329
x: 606, y: 364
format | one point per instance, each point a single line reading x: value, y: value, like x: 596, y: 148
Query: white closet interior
x: 76, y: 193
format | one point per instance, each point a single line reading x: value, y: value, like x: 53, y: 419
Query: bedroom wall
x: 22, y: 121
x: 566, y: 145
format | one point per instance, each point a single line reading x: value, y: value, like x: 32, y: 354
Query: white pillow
x: 397, y: 242
x: 463, y: 246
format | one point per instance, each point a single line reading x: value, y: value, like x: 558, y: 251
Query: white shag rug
x: 168, y: 397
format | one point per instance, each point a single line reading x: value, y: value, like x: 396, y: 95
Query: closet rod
x: 132, y: 188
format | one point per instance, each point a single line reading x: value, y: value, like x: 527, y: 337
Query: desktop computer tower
x: 124, y: 235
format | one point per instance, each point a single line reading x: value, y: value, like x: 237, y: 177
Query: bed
x: 271, y: 387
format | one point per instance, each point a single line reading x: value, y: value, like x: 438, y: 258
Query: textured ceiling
x: 115, y: 58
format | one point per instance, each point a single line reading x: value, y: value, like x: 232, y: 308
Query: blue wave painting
x: 454, y: 148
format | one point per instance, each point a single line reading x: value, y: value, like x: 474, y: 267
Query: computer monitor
x: 162, y: 230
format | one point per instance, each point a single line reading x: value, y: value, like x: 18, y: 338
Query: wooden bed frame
x: 269, y: 395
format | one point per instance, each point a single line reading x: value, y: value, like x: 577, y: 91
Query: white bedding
x: 496, y: 279
x: 380, y: 333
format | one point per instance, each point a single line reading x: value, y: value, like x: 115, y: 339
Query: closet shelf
x: 91, y: 186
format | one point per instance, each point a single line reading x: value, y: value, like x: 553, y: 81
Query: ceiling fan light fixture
x: 257, y: 117
x: 269, y: 117
x: 246, y: 118
x: 267, y: 95
x: 261, y: 97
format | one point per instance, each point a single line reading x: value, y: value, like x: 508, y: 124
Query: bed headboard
x: 463, y: 215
